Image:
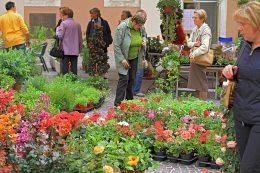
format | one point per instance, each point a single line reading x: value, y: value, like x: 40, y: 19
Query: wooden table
x: 184, y: 69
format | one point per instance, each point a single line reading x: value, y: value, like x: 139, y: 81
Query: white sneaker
x: 140, y: 94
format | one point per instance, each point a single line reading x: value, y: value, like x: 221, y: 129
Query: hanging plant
x: 168, y: 10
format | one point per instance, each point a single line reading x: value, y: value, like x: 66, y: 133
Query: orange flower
x: 132, y: 161
x: 98, y: 149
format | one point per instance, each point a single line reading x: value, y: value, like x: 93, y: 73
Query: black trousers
x: 248, y: 141
x: 73, y: 60
x: 125, y: 84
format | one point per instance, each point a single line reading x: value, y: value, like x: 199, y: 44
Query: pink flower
x: 169, y: 140
x: 167, y: 133
x: 220, y: 162
x: 217, y: 138
x: 151, y: 114
x: 231, y: 144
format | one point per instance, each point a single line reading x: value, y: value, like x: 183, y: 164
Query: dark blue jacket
x: 107, y: 37
x: 247, y: 89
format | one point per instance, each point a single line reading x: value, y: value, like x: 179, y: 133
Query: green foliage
x: 38, y: 82
x: 168, y: 20
x: 62, y: 96
x: 88, y: 95
x: 97, y: 82
x: 6, y: 81
x: 164, y: 3
x: 39, y: 34
x: 171, y: 65
x: 85, y: 53
x: 16, y: 64
x: 154, y: 45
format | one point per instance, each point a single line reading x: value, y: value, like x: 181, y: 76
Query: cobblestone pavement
x: 112, y: 76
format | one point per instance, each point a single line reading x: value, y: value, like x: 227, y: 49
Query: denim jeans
x: 18, y: 47
x: 138, y: 81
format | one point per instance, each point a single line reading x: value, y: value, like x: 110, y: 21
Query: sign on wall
x: 42, y: 3
x: 122, y: 3
x: 188, y: 23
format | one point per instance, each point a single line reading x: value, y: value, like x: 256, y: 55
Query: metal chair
x: 41, y: 56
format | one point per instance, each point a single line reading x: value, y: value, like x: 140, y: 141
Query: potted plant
x: 16, y: 64
x: 168, y: 10
x: 173, y: 151
x: 85, y: 55
x: 167, y: 6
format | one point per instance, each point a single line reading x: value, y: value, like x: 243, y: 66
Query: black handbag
x: 56, y: 51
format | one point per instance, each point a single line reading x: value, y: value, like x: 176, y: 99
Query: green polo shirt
x: 136, y: 42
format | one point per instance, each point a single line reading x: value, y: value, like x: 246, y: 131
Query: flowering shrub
x: 224, y: 58
x: 41, y: 138
x: 10, y: 117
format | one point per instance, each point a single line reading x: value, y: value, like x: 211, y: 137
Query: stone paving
x: 112, y: 76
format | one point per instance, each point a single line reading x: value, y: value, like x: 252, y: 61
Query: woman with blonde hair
x: 246, y: 74
x: 200, y: 39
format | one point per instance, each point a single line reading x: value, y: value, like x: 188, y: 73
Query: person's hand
x: 229, y: 71
x: 28, y: 43
x: 192, y: 58
x: 197, y: 44
x: 125, y: 64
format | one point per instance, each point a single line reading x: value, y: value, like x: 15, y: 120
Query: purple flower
x: 186, y: 119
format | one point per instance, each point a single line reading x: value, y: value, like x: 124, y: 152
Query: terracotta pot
x: 167, y: 9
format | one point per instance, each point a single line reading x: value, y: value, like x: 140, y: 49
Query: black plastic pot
x: 160, y: 153
x: 159, y: 158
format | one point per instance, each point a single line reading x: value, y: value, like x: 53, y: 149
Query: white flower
x: 123, y: 123
x: 223, y: 149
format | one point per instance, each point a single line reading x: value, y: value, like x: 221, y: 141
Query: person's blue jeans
x: 138, y: 80
x: 18, y: 47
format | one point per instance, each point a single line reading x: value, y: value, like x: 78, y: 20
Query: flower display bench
x: 184, y: 72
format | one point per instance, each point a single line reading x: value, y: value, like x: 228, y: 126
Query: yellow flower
x: 98, y: 149
x: 132, y: 161
x: 108, y: 169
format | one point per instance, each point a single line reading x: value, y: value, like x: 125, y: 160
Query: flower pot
x: 168, y: 9
x: 172, y: 159
x: 203, y: 161
x: 213, y: 165
x: 188, y: 156
x: 160, y: 153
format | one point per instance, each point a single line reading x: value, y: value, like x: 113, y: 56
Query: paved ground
x: 112, y: 76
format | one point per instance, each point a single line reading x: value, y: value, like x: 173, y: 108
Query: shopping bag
x: 228, y: 95
x: 205, y: 59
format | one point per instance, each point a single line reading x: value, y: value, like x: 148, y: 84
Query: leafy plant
x: 169, y: 19
x: 6, y: 81
x: 154, y: 45
x: 97, y: 82
x: 85, y: 53
x: 88, y: 95
x: 171, y: 65
x: 38, y: 82
x: 16, y: 64
x: 39, y: 34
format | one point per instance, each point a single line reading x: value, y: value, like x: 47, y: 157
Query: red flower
x: 206, y: 113
x: 193, y: 112
x: 223, y: 138
x: 157, y: 99
x: 123, y: 106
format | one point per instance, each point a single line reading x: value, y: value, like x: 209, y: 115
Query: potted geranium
x: 167, y: 6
